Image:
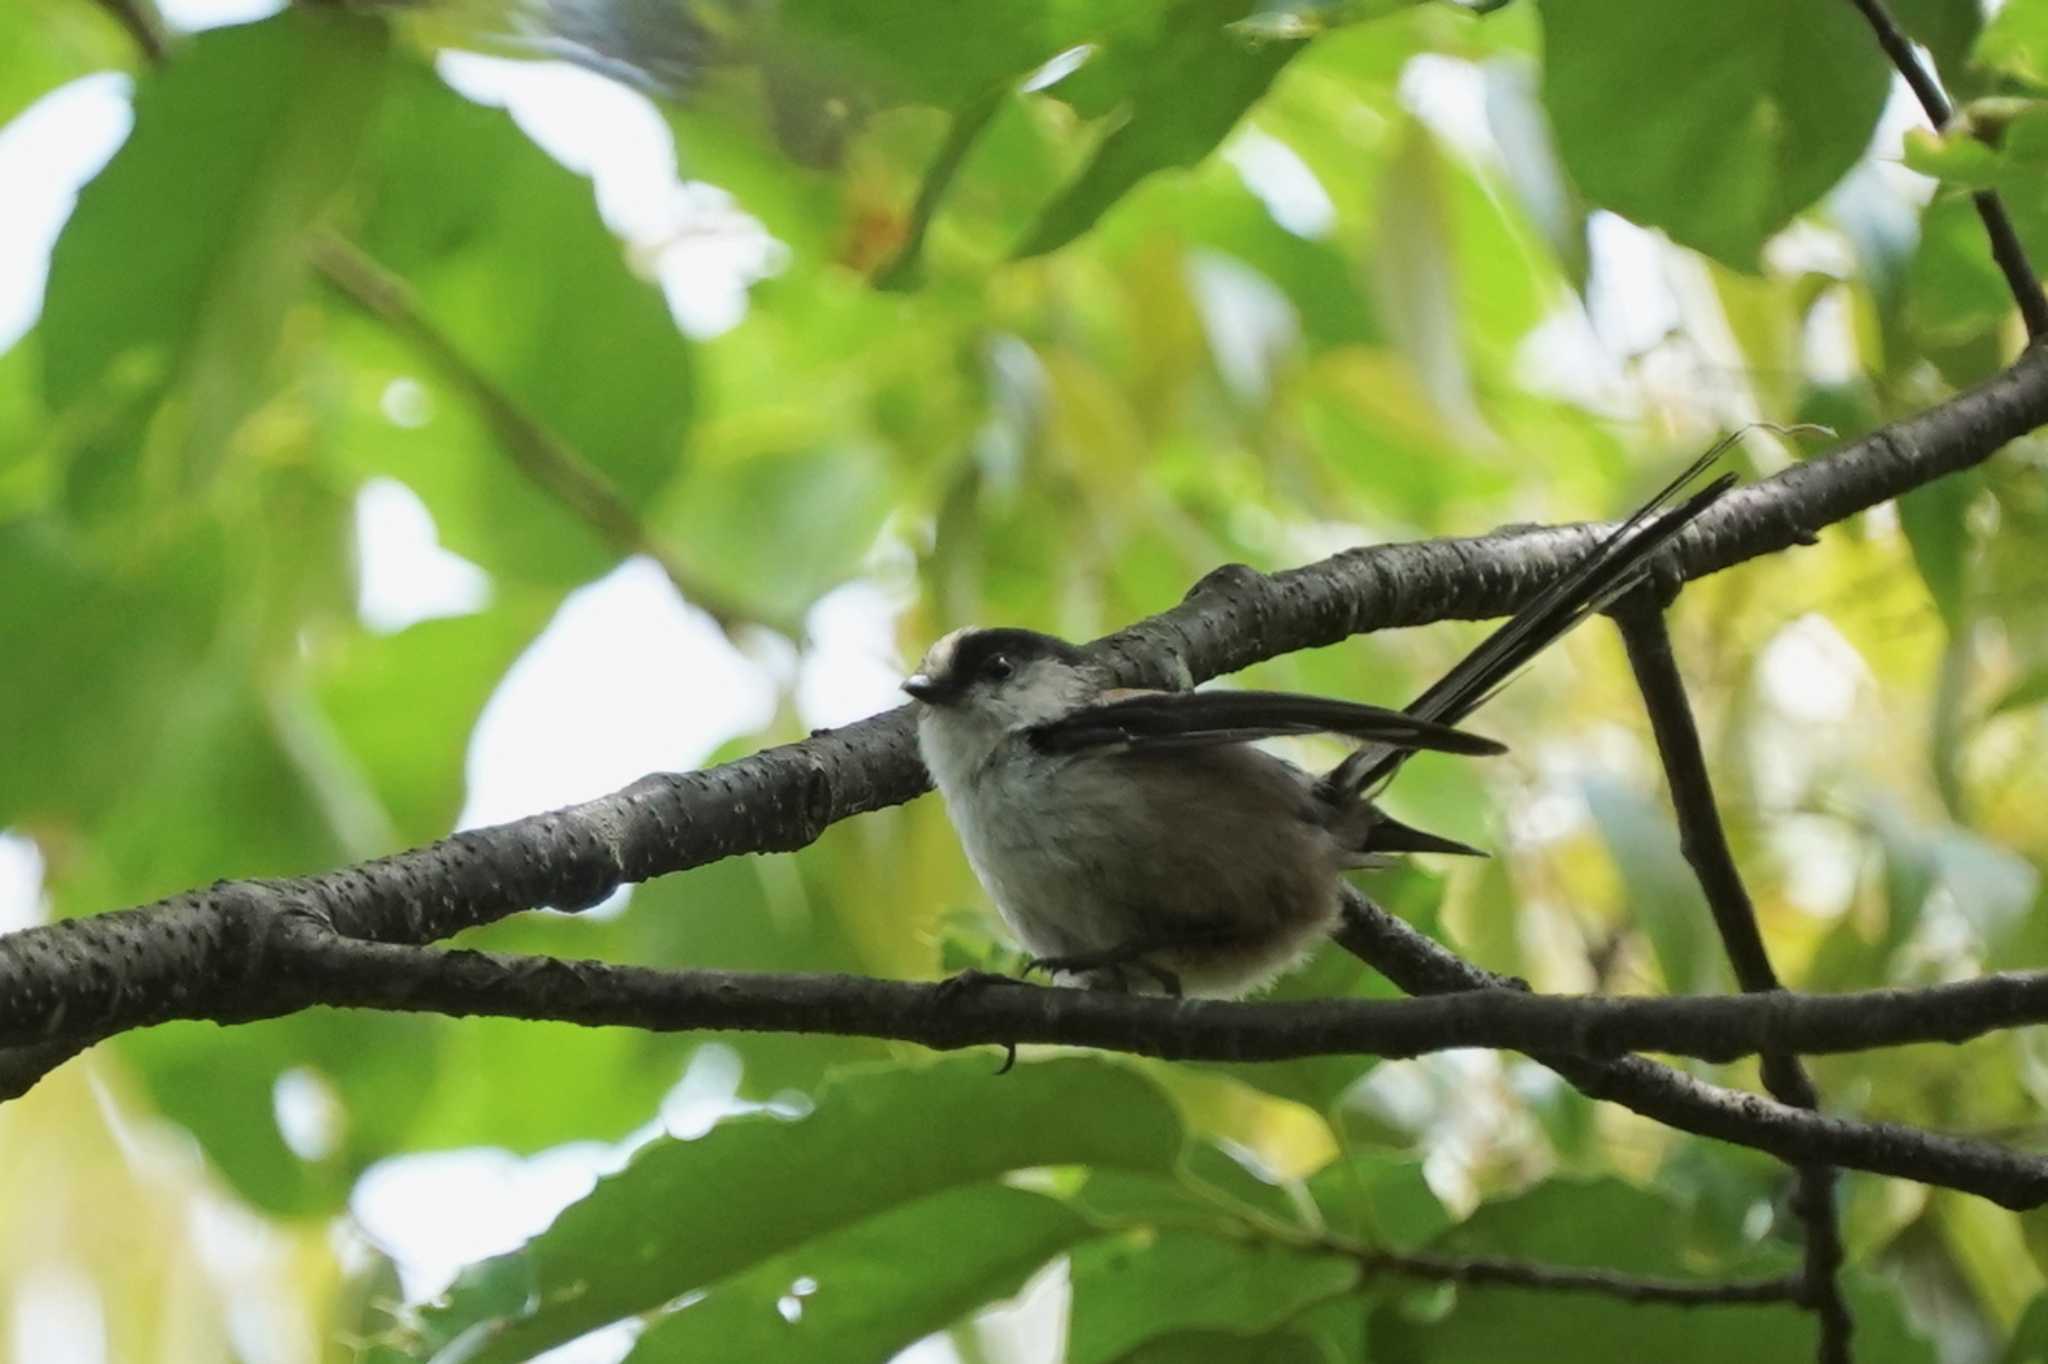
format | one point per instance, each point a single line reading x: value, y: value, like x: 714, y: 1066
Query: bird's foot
x: 973, y: 979
x: 1111, y: 959
x: 961, y: 984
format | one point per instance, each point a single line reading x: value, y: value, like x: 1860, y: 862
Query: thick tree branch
x: 298, y: 963
x: 1705, y: 844
x: 2005, y: 238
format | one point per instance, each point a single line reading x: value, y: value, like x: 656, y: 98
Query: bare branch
x: 1422, y: 966
x: 2005, y: 238
x: 296, y: 962
x: 1705, y: 844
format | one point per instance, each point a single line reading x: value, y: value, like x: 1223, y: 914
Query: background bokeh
x: 1197, y: 281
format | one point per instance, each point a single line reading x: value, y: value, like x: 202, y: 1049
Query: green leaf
x: 865, y: 1293
x: 1956, y: 296
x: 96, y: 654
x: 767, y: 914
x: 1380, y: 1199
x: 686, y: 1214
x: 1515, y: 114
x: 1659, y: 888
x: 1214, y: 209
x: 1415, y: 259
x: 1946, y: 28
x: 932, y: 52
x: 221, y: 1086
x: 1595, y: 1225
x: 1960, y: 158
x: 604, y: 1083
x: 1237, y: 1177
x: 512, y: 267
x: 1936, y: 521
x: 1226, y: 1347
x: 174, y: 275
x: 2015, y: 42
x: 51, y: 42
x: 1488, y: 1325
x: 220, y: 792
x: 1954, y: 291
x: 404, y: 704
x: 777, y: 530
x: 1588, y: 1223
x: 1719, y: 129
x: 1133, y: 1289
x: 2029, y: 1342
x: 1179, y: 94
x: 2030, y: 691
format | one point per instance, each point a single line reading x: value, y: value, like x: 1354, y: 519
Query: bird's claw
x: 1116, y: 959
x: 958, y: 985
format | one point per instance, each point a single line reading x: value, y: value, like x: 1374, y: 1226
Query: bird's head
x: 1000, y: 679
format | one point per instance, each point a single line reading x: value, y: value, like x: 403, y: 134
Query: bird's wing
x: 1192, y: 719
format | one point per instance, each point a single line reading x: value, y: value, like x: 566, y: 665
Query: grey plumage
x: 1217, y: 861
x: 1138, y: 839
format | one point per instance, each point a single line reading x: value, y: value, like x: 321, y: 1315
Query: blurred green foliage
x: 1072, y: 302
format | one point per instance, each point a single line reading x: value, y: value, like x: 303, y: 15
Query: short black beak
x: 923, y: 688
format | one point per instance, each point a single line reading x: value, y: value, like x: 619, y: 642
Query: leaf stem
x: 547, y: 461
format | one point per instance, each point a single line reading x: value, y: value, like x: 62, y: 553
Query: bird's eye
x: 998, y: 667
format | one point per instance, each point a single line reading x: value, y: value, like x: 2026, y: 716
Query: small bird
x: 1138, y: 839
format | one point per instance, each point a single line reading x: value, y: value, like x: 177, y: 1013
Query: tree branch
x: 543, y: 457
x: 1705, y: 844
x: 95, y: 976
x: 1422, y: 966
x: 1499, y: 1273
x: 2005, y: 238
x: 298, y: 962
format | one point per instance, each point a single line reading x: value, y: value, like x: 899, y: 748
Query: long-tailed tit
x: 1138, y: 838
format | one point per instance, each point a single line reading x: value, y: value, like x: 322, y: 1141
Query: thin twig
x: 544, y: 458
x: 1493, y: 1272
x: 2005, y: 238
x: 901, y: 270
x: 1705, y: 844
x: 145, y: 25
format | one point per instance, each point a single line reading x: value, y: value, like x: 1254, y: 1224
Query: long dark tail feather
x: 1613, y: 567
x: 1390, y: 835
